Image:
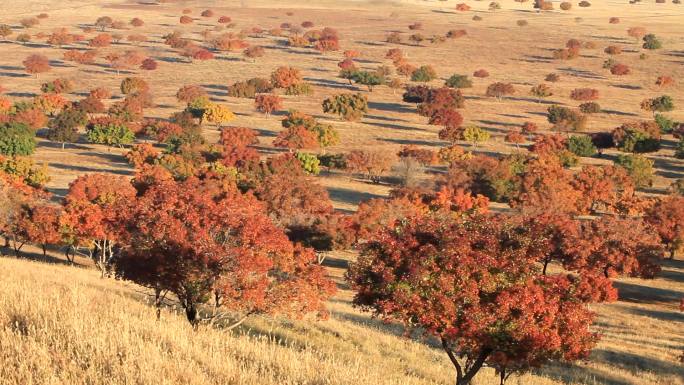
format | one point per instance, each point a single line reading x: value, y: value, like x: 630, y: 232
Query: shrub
x: 584, y: 94
x: 463, y: 7
x: 666, y: 124
x: 584, y: 4
x: 565, y: 119
x: 637, y: 137
x: 566, y: 6
x: 614, y: 20
x: 458, y: 81
x: 16, y: 139
x: 590, y: 108
x: 393, y: 38
x: 284, y: 77
x: 664, y: 81
x: 638, y: 167
x: 57, y: 86
x: 348, y: 106
x: 369, y: 79
x: 134, y: 86
x: 424, y: 74
x: 217, y: 114
x: 185, y: 20
x: 475, y: 135
x: 521, y: 23
x: 299, y: 89
x: 529, y: 128
x: 552, y: 77
x: 109, y: 132
x: 581, y: 145
x: 620, y: 69
x: 651, y: 42
x: 267, y: 103
x: 613, y: 50
x: 456, y: 33
x: 541, y: 91
x: 566, y: 53
x: 662, y: 103
x: 36, y: 64
x: 310, y: 162
x: 499, y: 90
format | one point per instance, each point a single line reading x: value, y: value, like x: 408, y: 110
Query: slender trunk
x: 546, y: 264
x: 191, y: 314
x: 158, y: 300
x: 463, y: 377
x: 44, y: 250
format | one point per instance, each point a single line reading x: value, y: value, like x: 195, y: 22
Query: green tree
x: 16, y: 139
x: 110, y: 133
x: 458, y: 81
x: 424, y: 74
x: 368, y: 79
x: 310, y: 162
x: 475, y: 135
x: 581, y: 146
x: 350, y: 107
x: 638, y: 167
x: 64, y: 127
x: 651, y: 42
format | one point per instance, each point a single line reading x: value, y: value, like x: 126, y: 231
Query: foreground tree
x: 36, y: 64
x: 203, y: 242
x: 470, y: 283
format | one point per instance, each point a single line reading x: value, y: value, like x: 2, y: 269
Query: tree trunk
x: 463, y: 377
x: 191, y: 314
x: 44, y: 250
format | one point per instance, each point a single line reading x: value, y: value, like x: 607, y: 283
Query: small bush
x: 459, y: 81
x: 638, y: 167
x: 590, y: 108
x: 566, y: 6
x: 581, y: 146
x: 16, y: 139
x: 424, y: 74
x: 481, y: 73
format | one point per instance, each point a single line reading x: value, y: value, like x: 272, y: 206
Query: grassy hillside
x: 65, y: 325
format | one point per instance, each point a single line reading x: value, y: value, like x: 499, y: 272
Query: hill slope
x: 64, y: 325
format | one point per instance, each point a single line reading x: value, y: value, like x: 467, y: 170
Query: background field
x: 63, y: 325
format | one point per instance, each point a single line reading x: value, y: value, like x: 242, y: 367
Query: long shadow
x: 396, y: 126
x: 634, y: 363
x: 392, y: 107
x: 669, y: 316
x: 72, y: 167
x: 620, y: 113
x: 13, y: 75
x: 498, y: 123
x: 113, y: 158
x: 56, y: 145
x: 416, y: 142
x: 21, y: 94
x: 11, y: 68
x: 632, y: 292
x: 581, y: 73
x: 39, y: 257
x: 344, y: 195
x: 385, y: 118
x: 627, y: 86
x: 564, y: 373
x: 533, y: 100
x: 330, y: 83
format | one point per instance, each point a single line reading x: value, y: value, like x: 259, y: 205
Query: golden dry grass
x: 65, y: 325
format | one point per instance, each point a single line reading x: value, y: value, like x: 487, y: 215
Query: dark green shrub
x: 581, y: 146
x: 459, y: 81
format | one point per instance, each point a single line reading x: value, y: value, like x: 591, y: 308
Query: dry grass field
x: 64, y: 325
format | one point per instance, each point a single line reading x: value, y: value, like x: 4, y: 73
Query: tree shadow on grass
x: 344, y: 195
x: 632, y: 292
x: 71, y: 167
x: 417, y: 142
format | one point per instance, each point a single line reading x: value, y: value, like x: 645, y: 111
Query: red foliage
x: 149, y: 64
x: 620, y: 69
x: 267, y: 103
x: 613, y: 246
x: 584, y: 94
x: 36, y: 64
x: 667, y: 218
x: 481, y: 73
x: 296, y: 138
x: 463, y: 7
x: 172, y: 244
x: 185, y: 20
x: 284, y: 77
x: 664, y: 81
x: 510, y: 326
x: 101, y: 40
